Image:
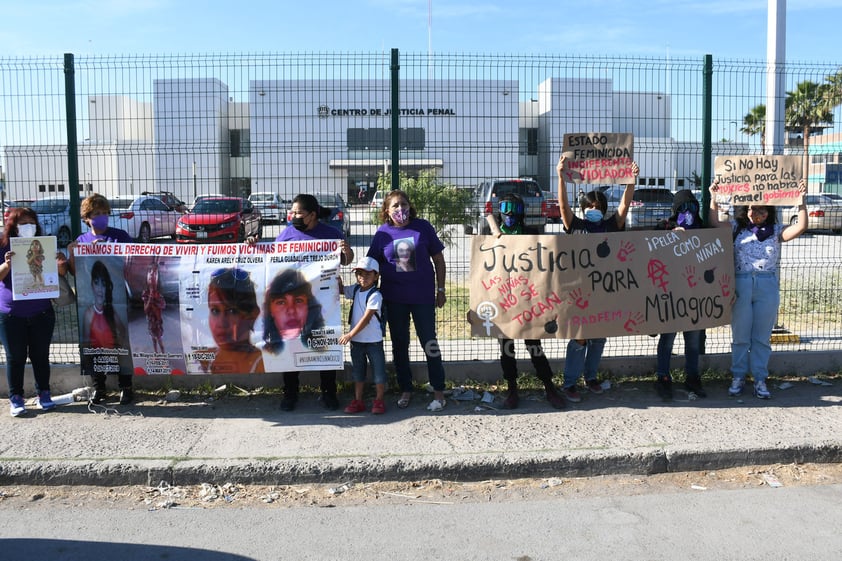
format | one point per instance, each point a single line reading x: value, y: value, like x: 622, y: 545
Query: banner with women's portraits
x: 150, y: 309
x: 601, y: 285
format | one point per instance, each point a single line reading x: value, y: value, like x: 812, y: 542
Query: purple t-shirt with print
x: 407, y: 275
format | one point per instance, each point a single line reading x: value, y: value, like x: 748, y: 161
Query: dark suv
x: 487, y: 196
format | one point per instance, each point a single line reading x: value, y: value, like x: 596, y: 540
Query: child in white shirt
x: 366, y: 336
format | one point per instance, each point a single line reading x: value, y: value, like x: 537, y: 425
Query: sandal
x: 403, y: 402
x: 437, y: 405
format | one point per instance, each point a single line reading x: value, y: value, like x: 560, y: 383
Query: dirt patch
x: 434, y: 491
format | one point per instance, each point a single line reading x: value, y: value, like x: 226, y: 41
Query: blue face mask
x: 685, y: 219
x: 593, y: 215
x: 510, y: 220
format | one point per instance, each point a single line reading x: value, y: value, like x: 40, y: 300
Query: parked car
x: 219, y: 220
x: 377, y: 200
x: 487, y: 195
x: 168, y: 199
x: 54, y: 216
x: 553, y: 209
x: 270, y: 205
x: 144, y: 217
x: 339, y: 217
x: 648, y: 206
x: 823, y: 213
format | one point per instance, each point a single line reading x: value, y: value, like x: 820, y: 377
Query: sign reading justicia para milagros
x: 601, y: 285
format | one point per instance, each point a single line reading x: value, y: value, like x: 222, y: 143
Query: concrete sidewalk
x: 250, y: 440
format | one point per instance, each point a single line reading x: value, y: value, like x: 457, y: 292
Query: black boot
x: 512, y: 399
x: 290, y: 391
x: 99, y: 389
x: 663, y: 385
x: 553, y: 397
x: 126, y: 396
x: 693, y: 384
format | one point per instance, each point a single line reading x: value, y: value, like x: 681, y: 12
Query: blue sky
x: 727, y: 29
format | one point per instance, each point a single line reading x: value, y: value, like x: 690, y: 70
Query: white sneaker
x: 437, y: 405
x: 760, y: 390
x: 736, y: 387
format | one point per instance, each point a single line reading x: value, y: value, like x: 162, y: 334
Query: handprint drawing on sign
x: 626, y: 249
x: 690, y: 275
x: 579, y: 299
x: 657, y: 273
x: 635, y: 318
x: 725, y: 286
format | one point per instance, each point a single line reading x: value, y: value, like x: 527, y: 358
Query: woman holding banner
x: 583, y: 355
x: 306, y: 225
x: 685, y: 216
x: 512, y: 210
x: 757, y: 253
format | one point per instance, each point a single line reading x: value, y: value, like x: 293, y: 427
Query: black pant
x: 327, y: 380
x: 124, y: 381
x: 536, y: 354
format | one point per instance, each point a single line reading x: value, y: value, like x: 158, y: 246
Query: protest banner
x: 34, y: 268
x: 760, y: 180
x: 148, y: 309
x: 598, y: 158
x: 601, y: 285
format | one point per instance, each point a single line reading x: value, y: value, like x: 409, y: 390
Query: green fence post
x: 72, y: 148
x: 707, y: 127
x: 396, y: 122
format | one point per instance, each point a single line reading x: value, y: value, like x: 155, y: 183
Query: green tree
x: 442, y: 204
x: 807, y: 110
x: 755, y: 123
x: 833, y: 93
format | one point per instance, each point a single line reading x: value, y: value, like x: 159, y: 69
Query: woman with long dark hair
x: 26, y: 326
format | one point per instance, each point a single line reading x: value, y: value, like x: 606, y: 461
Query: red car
x: 553, y: 210
x: 219, y: 220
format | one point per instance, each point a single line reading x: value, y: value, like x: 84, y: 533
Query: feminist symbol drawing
x: 487, y: 311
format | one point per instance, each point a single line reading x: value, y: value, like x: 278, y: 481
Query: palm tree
x: 755, y: 123
x: 833, y: 92
x: 807, y: 110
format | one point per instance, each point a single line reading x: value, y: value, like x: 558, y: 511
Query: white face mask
x: 27, y: 230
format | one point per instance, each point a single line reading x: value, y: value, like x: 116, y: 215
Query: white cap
x: 367, y: 264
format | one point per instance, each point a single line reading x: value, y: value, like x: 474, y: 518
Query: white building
x: 328, y: 135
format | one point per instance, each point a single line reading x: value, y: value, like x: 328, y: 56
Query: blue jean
x: 692, y: 348
x: 582, y: 359
x: 424, y: 318
x: 376, y: 357
x: 752, y: 321
x: 22, y: 337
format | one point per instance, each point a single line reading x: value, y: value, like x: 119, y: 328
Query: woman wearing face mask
x: 26, y: 326
x: 757, y: 254
x: 306, y: 225
x: 583, y: 355
x: 417, y: 292
x: 685, y: 216
x: 94, y: 211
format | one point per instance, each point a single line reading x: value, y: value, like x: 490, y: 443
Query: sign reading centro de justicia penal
x: 325, y: 111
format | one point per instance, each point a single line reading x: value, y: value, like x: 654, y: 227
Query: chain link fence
x: 290, y: 123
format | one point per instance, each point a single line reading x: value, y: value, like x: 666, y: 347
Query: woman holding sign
x: 757, y: 254
x: 583, y: 355
x: 26, y: 326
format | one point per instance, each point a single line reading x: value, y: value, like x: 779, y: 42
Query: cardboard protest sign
x: 598, y: 158
x: 762, y: 180
x: 209, y: 309
x: 34, y: 268
x: 601, y: 285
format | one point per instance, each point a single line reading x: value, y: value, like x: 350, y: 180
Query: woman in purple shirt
x: 411, y: 291
x: 26, y: 326
x: 94, y: 211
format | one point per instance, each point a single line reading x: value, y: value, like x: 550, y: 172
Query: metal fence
x: 303, y: 122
